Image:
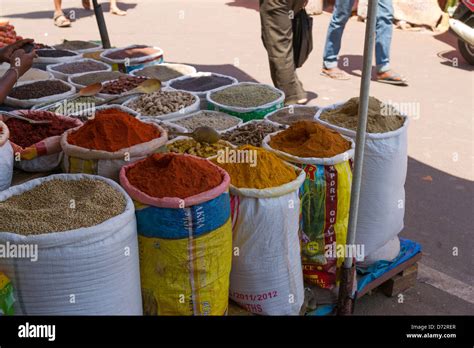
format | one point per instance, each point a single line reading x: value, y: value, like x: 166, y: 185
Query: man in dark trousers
x: 277, y: 37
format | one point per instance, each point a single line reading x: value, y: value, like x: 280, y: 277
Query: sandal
x: 117, y: 11
x: 61, y: 21
x: 335, y: 73
x: 391, y: 78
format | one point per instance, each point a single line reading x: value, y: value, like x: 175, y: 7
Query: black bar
x: 99, y: 15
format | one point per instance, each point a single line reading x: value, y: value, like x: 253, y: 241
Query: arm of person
x: 20, y: 63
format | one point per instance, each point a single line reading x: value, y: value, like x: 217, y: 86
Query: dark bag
x: 302, y: 37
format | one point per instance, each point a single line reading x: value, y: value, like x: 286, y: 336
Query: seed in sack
x: 112, y: 130
x: 80, y: 67
x: 245, y: 96
x: 163, y: 72
x: 162, y: 102
x: 290, y: 115
x: 214, y: 119
x: 251, y: 133
x: 55, y: 53
x: 265, y: 171
x: 201, y: 83
x: 39, y: 89
x: 134, y: 52
x: 192, y: 147
x: 309, y: 139
x: 25, y: 134
x: 47, y: 207
x: 75, y: 45
x: 174, y: 175
x: 122, y: 84
x: 96, y: 77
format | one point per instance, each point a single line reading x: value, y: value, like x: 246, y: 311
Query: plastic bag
x: 302, y: 37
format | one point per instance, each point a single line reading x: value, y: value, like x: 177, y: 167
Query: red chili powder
x: 25, y: 134
x: 112, y: 130
x: 174, y: 175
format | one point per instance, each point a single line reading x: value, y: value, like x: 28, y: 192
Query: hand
x: 6, y: 52
x: 22, y: 61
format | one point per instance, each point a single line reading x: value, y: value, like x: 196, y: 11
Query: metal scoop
x: 146, y: 87
x: 18, y: 117
x: 202, y: 135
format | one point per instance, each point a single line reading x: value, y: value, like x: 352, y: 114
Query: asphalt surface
x: 224, y: 36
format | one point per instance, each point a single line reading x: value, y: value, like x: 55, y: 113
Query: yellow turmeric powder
x: 254, y: 167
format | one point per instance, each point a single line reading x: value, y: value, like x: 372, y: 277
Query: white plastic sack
x: 127, y: 65
x: 266, y: 276
x: 28, y: 103
x: 62, y: 76
x: 6, y: 158
x: 382, y: 195
x: 388, y: 252
x: 96, y: 266
x: 202, y: 94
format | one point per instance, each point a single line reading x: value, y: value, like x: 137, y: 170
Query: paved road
x: 223, y: 36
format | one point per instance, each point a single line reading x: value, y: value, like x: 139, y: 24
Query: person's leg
x: 115, y: 9
x: 277, y: 37
x: 59, y: 18
x: 341, y: 14
x: 383, y: 41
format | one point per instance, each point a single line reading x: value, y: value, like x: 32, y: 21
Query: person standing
x: 61, y: 20
x: 277, y: 37
x: 383, y: 38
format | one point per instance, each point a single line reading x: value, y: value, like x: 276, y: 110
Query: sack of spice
x: 251, y: 132
x: 78, y: 46
x: 6, y: 158
x: 79, y: 240
x: 53, y: 56
x: 382, y: 195
x: 165, y: 71
x: 36, y: 147
x: 326, y: 157
x: 164, y: 104
x: 266, y: 276
x: 7, y: 300
x: 62, y: 71
x: 201, y: 83
x: 293, y: 113
x: 108, y: 141
x: 127, y: 59
x: 187, y: 145
x: 28, y: 94
x: 214, y: 119
x: 184, y: 231
x: 82, y: 80
x: 247, y: 100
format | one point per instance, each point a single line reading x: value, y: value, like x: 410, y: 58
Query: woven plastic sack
x: 325, y: 202
x: 6, y: 158
x: 382, y: 192
x: 185, y: 250
x: 81, y: 160
x: 97, y: 264
x: 28, y: 103
x: 130, y: 64
x: 57, y: 60
x: 247, y: 114
x: 266, y: 276
x: 43, y: 156
x: 202, y: 94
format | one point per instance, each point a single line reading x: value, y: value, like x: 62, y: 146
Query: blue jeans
x: 383, y: 32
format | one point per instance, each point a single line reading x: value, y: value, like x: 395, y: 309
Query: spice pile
x: 163, y: 72
x: 192, y: 147
x: 254, y: 167
x: 245, y: 96
x: 201, y: 83
x: 290, y: 115
x: 173, y: 175
x: 309, y: 139
x: 96, y: 77
x: 54, y: 53
x: 39, y: 89
x: 112, y: 130
x: 135, y: 52
x: 80, y: 67
x: 162, y: 102
x: 76, y: 45
x: 46, y: 208
x: 69, y: 107
x: 251, y: 133
x: 381, y: 118
x: 122, y: 84
x: 213, y: 119
x: 25, y: 134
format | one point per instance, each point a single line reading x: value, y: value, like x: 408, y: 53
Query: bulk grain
x: 192, y: 147
x: 165, y: 72
x: 39, y: 89
x: 245, y: 95
x: 138, y: 51
x: 381, y: 118
x: 292, y: 114
x: 122, y: 84
x: 201, y: 83
x: 46, y: 208
x: 214, y: 119
x: 79, y: 67
x: 76, y: 45
x: 162, y: 102
x: 88, y: 79
x: 184, y: 232
x: 47, y: 53
x: 251, y: 133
